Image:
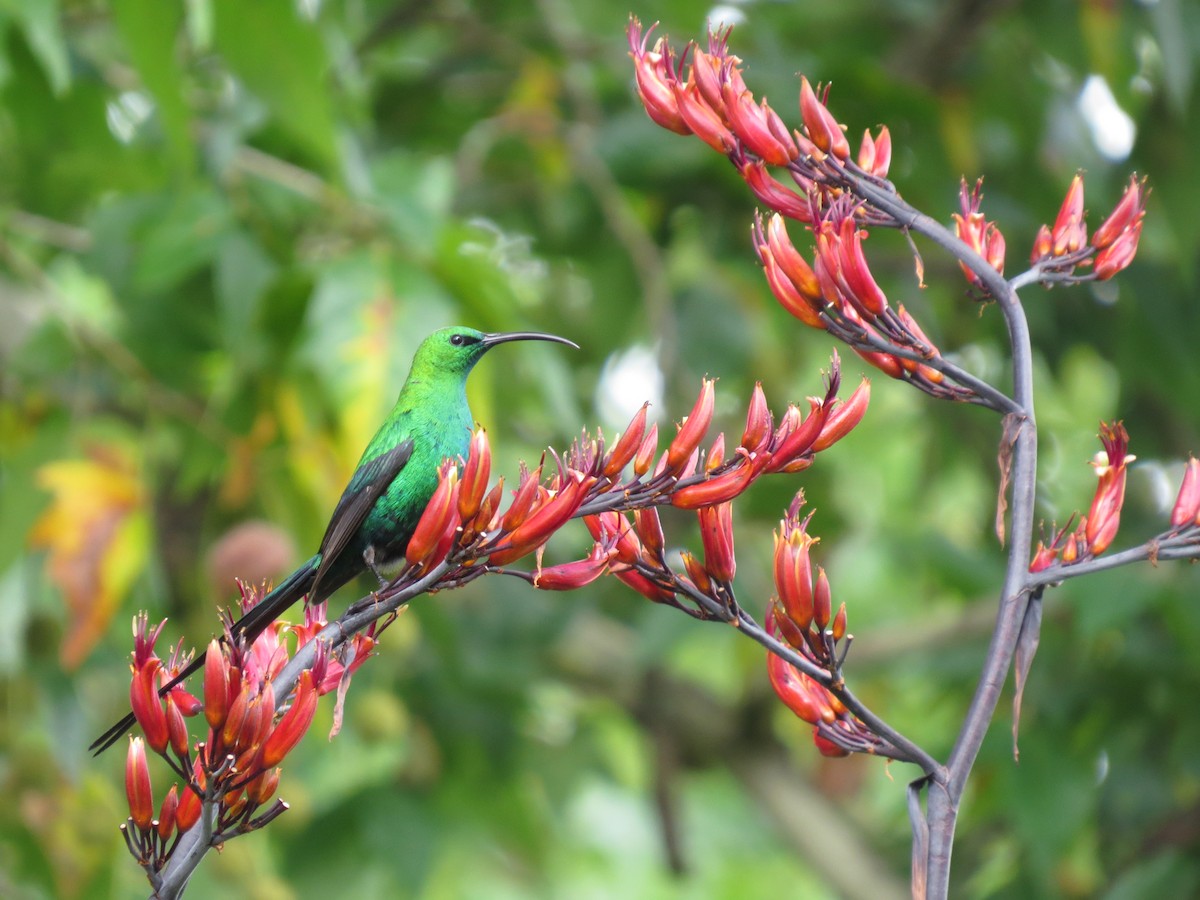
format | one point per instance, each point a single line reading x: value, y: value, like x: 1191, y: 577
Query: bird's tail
x: 249, y: 626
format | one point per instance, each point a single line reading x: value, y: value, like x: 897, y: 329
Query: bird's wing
x: 367, y: 485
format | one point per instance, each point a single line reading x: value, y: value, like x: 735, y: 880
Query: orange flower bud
x: 788, y: 630
x: 1187, y: 504
x: 177, y: 729
x: 716, y: 534
x: 236, y: 719
x: 137, y: 785
x: 625, y: 448
x: 545, y: 520
x: 863, y: 291
x: 800, y: 440
x: 883, y: 153
x: 148, y: 706
x: 692, y: 431
x: 439, y: 513
x: 475, y: 474
x: 1043, y: 558
x: 1104, y: 518
x: 294, y: 723
x: 262, y: 787
x: 844, y: 417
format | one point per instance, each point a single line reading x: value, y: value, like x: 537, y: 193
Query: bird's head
x: 455, y: 350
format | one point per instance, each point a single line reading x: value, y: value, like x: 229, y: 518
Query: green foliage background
x: 225, y: 226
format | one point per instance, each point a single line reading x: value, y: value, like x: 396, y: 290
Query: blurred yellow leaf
x: 97, y: 533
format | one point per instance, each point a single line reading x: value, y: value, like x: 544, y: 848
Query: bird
x: 391, y: 485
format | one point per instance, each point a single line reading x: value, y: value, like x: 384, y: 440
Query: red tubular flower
x: 177, y: 729
x: 439, y: 513
x: 794, y: 266
x: 613, y: 525
x: 147, y: 706
x: 800, y: 440
x: 793, y: 571
x: 857, y: 281
x: 772, y: 193
x: 654, y: 73
x: 838, y: 629
x: 544, y: 520
x: 1043, y: 558
x: 758, y: 127
x: 1070, y: 232
x: 649, y: 529
x: 822, y: 600
x: 823, y: 129
x: 844, y: 417
x: 644, y: 457
x: 1127, y: 215
x: 1104, y: 517
x: 758, y: 421
x: 568, y: 576
x: 875, y: 154
x: 523, y: 498
x: 166, y: 813
x: 216, y: 686
x: 137, y: 785
x: 977, y: 233
x: 1187, y: 504
x: 704, y: 121
x: 721, y: 488
x: 786, y: 293
x: 187, y: 813
x: 803, y: 696
x: 693, y: 428
x: 643, y: 585
x: 716, y: 534
x: 1119, y: 254
x: 294, y: 723
x: 627, y: 445
x: 475, y: 474
x: 696, y: 572
x: 707, y: 71
x: 1043, y: 244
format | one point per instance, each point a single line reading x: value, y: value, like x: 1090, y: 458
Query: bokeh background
x: 224, y: 227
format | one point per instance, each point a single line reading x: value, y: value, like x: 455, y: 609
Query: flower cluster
x: 465, y: 528
x: 802, y: 615
x: 973, y: 229
x: 837, y: 291
x: 1059, y: 250
x: 234, y: 771
x: 1096, y: 530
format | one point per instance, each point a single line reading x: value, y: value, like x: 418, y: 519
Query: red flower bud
x: 166, y: 813
x: 823, y: 129
x: 625, y: 448
x: 1070, y: 232
x: 649, y: 529
x: 294, y: 723
x: 439, y: 514
x: 568, y: 576
x: 644, y: 585
x: 705, y: 122
x: 655, y: 77
x: 719, y: 489
x: 844, y: 418
x: 758, y: 421
x: 646, y: 452
x: 137, y: 785
x: 770, y: 192
x: 693, y: 429
x: 475, y: 474
x: 1125, y: 217
x: 1187, y: 504
x: 716, y: 534
x: 216, y: 686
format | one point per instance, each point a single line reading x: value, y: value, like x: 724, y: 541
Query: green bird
x: 392, y: 484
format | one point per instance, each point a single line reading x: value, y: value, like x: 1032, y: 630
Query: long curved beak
x: 501, y: 337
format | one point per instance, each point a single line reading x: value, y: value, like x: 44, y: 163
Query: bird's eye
x: 456, y: 340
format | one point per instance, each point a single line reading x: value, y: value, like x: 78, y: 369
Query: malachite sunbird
x: 391, y: 485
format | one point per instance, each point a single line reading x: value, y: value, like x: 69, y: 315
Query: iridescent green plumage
x: 391, y: 485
